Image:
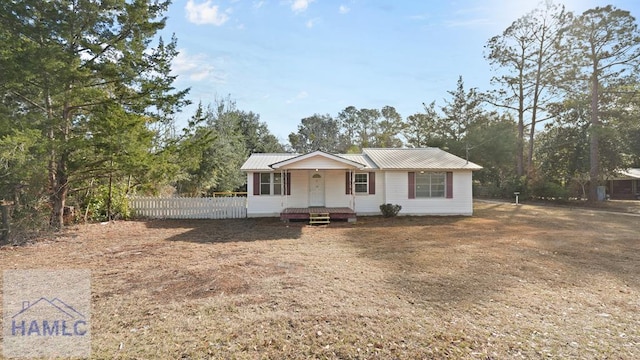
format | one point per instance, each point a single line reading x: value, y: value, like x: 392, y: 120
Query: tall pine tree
x: 66, y: 60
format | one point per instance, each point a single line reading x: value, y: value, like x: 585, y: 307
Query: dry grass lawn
x: 509, y: 282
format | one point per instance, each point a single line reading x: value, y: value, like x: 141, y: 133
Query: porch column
x: 353, y: 189
x: 283, y: 191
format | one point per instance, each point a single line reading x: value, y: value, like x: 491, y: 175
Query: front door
x: 316, y: 189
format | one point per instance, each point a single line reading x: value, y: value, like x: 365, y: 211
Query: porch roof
x: 298, y: 162
x: 269, y: 162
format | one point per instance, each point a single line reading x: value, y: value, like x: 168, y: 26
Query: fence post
x: 6, y: 224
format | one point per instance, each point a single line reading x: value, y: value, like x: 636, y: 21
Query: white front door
x: 316, y: 189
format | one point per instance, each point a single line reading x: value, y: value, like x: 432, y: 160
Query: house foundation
x: 335, y: 213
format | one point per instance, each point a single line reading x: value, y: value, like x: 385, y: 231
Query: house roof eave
x: 350, y: 164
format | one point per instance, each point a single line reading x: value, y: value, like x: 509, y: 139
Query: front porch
x: 335, y: 213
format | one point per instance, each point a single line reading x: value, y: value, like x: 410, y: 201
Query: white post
x: 353, y: 190
x: 283, y: 191
x: 516, y: 194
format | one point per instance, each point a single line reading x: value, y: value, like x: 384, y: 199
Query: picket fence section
x: 189, y: 208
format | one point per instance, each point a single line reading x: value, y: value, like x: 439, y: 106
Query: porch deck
x: 335, y: 213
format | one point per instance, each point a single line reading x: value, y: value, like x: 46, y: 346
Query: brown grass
x: 509, y: 282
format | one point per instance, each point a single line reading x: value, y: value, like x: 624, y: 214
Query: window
x: 277, y: 184
x: 267, y: 184
x: 362, y: 183
x: 430, y: 185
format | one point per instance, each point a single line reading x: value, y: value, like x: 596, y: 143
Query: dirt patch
x: 509, y: 282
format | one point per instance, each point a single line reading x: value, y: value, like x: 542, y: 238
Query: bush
x: 29, y: 222
x: 548, y: 190
x: 390, y: 210
x: 97, y: 204
x: 504, y: 189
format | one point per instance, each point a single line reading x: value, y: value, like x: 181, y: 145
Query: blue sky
x: 289, y: 59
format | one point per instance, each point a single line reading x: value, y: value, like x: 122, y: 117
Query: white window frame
x: 273, y: 185
x: 420, y: 193
x: 276, y: 187
x: 356, y: 183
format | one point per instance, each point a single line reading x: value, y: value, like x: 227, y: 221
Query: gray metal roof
x: 360, y: 158
x: 631, y: 173
x: 260, y: 161
x: 400, y: 159
x: 334, y: 157
x: 418, y: 158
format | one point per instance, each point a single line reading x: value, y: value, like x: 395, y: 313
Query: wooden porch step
x: 319, y: 218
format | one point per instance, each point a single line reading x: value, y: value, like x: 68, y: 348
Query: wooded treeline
x: 560, y: 118
x: 88, y: 111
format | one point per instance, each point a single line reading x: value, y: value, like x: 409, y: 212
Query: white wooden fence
x: 189, y: 208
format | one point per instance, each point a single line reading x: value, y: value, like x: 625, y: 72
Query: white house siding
x: 272, y: 205
x: 370, y: 204
x: 334, y: 192
x: 299, y: 189
x: 391, y: 187
x: 334, y: 189
x: 262, y: 205
x: 397, y: 192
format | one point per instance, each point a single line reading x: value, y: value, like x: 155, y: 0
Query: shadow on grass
x: 377, y: 221
x: 227, y: 230
x: 453, y: 259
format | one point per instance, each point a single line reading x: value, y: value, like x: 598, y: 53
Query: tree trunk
x: 109, y: 196
x: 530, y: 152
x: 536, y: 99
x: 51, y: 137
x: 520, y: 142
x: 59, y: 195
x: 6, y: 224
x: 594, y: 140
x: 60, y: 190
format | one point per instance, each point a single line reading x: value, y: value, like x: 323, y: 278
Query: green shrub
x: 549, y: 190
x: 390, y: 210
x: 97, y: 204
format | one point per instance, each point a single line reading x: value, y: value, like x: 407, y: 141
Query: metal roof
x: 261, y: 161
x: 399, y: 159
x: 418, y: 158
x: 631, y: 173
x: 360, y: 158
x: 337, y: 158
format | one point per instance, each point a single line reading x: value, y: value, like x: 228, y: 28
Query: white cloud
x: 301, y: 95
x: 258, y: 4
x: 496, y: 15
x: 311, y: 22
x: 300, y: 5
x: 196, y: 68
x: 343, y: 9
x: 205, y: 13
x: 470, y: 22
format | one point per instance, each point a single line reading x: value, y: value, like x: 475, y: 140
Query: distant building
x: 626, y: 186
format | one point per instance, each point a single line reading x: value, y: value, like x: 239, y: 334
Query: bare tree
x: 525, y: 57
